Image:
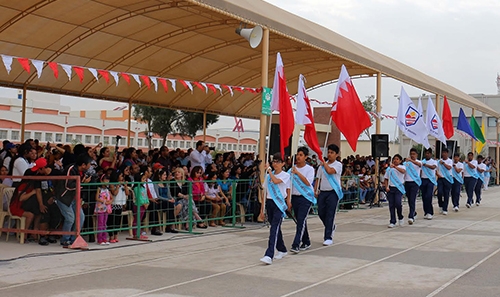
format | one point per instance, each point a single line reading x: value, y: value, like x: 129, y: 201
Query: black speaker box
x: 450, y: 144
x: 274, y: 146
x: 380, y: 145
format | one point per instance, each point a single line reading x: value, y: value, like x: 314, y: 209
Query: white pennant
x: 94, y: 73
x: 205, y: 85
x: 218, y: 88
x: 189, y: 85
x: 172, y: 81
x: 136, y: 77
x: 155, y: 82
x: 67, y: 69
x: 38, y: 66
x: 114, y: 74
x: 230, y: 90
x: 7, y: 62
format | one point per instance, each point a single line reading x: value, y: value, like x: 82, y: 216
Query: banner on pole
x: 266, y: 100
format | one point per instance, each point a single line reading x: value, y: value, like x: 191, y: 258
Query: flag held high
x: 411, y: 121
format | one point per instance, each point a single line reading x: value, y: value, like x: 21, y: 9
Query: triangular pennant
x: 239, y: 89
x: 7, y: 62
x: 155, y: 82
x: 163, y: 82
x: 94, y: 73
x: 229, y: 89
x: 79, y: 72
x: 25, y: 63
x: 38, y: 66
x: 114, y: 74
x: 211, y: 87
x: 53, y: 66
x: 218, y: 88
x: 126, y: 77
x: 67, y: 69
x: 136, y: 78
x: 198, y: 85
x: 205, y: 86
x: 104, y: 74
x: 251, y: 90
x: 186, y: 84
x: 146, y: 81
x: 172, y: 82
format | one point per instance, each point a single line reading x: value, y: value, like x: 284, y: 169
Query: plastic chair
x: 3, y: 211
x: 130, y: 220
x: 9, y: 192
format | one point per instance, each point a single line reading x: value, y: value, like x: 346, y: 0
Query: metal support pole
x: 129, y: 132
x: 498, y: 153
x: 378, y: 120
x: 204, y: 126
x: 473, y: 141
x: 23, y: 115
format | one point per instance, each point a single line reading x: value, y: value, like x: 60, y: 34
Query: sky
x: 451, y: 40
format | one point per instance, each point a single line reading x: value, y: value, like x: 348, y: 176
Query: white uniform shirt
x: 285, y: 184
x: 324, y: 185
x: 459, y: 165
x: 448, y: 162
x: 399, y: 175
x: 417, y: 170
x: 429, y: 162
x: 466, y: 171
x: 308, y: 172
x: 483, y: 167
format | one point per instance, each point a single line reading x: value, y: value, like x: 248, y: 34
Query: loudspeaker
x: 380, y: 145
x: 450, y: 144
x: 274, y: 146
x: 254, y: 36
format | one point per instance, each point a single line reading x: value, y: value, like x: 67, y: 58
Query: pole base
x: 79, y: 243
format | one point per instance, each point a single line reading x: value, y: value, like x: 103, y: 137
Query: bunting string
x: 140, y: 79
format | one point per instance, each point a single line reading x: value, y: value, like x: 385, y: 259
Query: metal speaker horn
x: 254, y: 36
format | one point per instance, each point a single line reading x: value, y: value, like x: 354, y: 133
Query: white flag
x: 206, y: 87
x: 218, y: 88
x: 155, y: 82
x: 136, y: 77
x: 114, y: 74
x: 7, y: 62
x: 172, y: 82
x: 94, y: 73
x: 38, y: 66
x: 67, y: 69
x: 433, y: 122
x: 411, y: 120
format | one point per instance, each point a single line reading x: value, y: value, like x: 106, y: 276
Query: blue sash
x: 473, y: 173
x: 334, y: 184
x: 481, y: 176
x: 428, y: 173
x: 446, y: 173
x: 304, y: 190
x: 457, y: 176
x: 395, y: 180
x: 487, y: 173
x: 413, y: 173
x: 275, y: 193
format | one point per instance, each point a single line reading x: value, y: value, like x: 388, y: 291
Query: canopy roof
x: 192, y: 40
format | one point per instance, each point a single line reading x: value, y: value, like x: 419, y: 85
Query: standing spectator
x: 130, y: 156
x: 200, y: 156
x: 120, y: 193
x: 106, y: 161
x: 166, y: 201
x: 9, y: 152
x: 103, y: 209
x: 164, y: 158
x: 141, y: 200
x: 183, y: 158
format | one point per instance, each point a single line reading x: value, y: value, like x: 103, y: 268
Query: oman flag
x: 281, y: 102
x: 304, y: 116
x: 347, y: 111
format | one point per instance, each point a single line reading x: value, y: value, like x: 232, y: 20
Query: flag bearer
x: 445, y: 181
x: 481, y: 168
x: 428, y: 182
x: 277, y: 202
x: 394, y: 184
x: 470, y: 178
x: 412, y: 182
x: 458, y: 181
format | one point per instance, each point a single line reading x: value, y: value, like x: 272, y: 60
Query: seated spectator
x: 179, y: 189
x: 198, y: 190
x: 213, y: 194
x: 166, y: 201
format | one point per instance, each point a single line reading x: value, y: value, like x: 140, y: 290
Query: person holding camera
x: 201, y: 155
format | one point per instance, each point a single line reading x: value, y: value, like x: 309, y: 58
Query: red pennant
x: 183, y: 83
x: 104, y: 74
x: 25, y: 63
x: 146, y: 80
x: 163, y: 82
x: 212, y: 87
x: 251, y: 90
x: 53, y: 66
x: 126, y: 77
x: 79, y: 72
x: 239, y: 89
x: 199, y: 85
x: 226, y: 87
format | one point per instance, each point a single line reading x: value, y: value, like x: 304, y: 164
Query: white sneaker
x: 428, y: 216
x: 467, y: 205
x: 391, y: 226
x: 279, y: 255
x: 445, y: 213
x: 267, y: 260
x: 455, y: 208
x: 477, y: 203
x: 440, y: 210
x: 327, y: 242
x: 401, y: 223
x: 410, y: 221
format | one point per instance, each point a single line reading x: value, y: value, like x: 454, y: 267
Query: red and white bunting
x: 155, y: 82
x: 94, y: 73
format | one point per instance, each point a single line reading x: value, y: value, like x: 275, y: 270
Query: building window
x: 139, y: 142
x: 97, y: 139
x: 229, y: 146
x: 239, y: 147
x: 88, y: 139
x: 58, y: 137
x: 188, y: 144
x: 212, y: 144
x: 79, y: 138
x: 123, y: 141
x: 224, y: 147
x: 254, y: 148
x: 245, y: 147
x: 131, y: 142
x: 155, y: 142
x: 14, y: 135
x: 181, y: 144
x: 106, y: 140
x: 69, y: 137
x: 492, y: 122
x: 175, y: 144
x: 38, y: 135
x: 3, y: 134
x: 48, y: 137
x: 27, y: 135
x: 219, y: 146
x: 169, y: 143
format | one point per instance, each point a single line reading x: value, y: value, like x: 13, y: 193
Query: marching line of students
x: 446, y: 174
x: 294, y: 190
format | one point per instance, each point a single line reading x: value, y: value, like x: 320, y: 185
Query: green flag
x: 477, y: 130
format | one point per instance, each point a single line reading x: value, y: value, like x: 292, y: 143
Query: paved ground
x: 454, y: 255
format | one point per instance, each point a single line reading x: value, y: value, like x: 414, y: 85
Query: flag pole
x: 262, y: 216
x: 325, y: 152
x: 411, y: 142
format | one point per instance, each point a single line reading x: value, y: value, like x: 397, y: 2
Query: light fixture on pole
x: 254, y: 35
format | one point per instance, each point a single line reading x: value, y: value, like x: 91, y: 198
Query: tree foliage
x: 163, y: 121
x: 370, y: 105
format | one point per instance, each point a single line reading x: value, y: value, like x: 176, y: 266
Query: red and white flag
x: 281, y: 102
x: 347, y: 111
x: 304, y: 116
